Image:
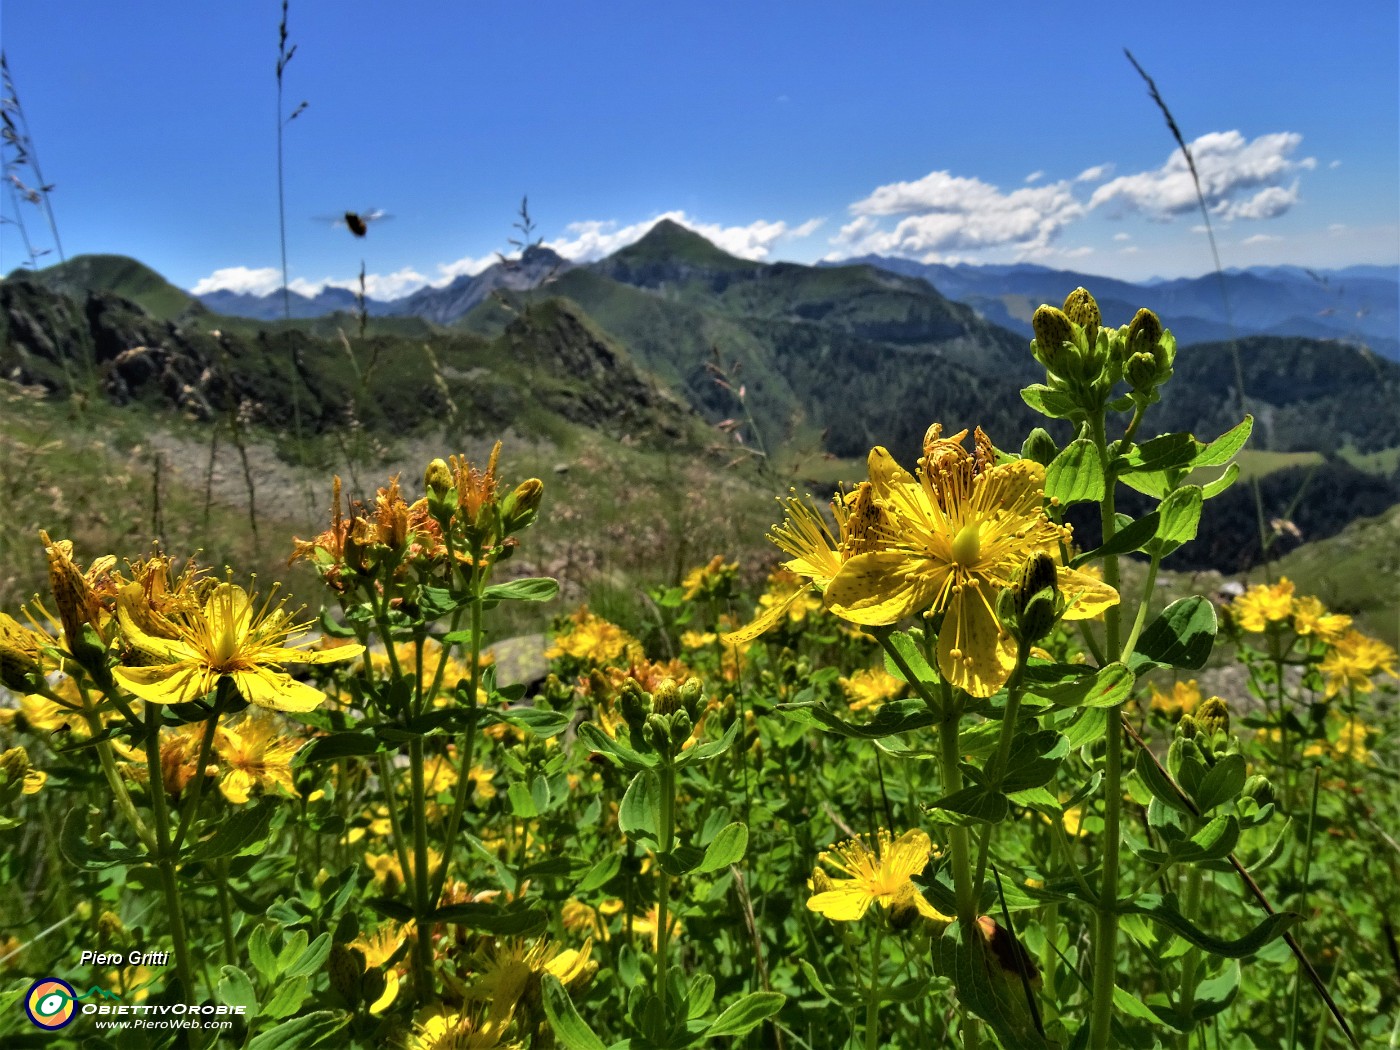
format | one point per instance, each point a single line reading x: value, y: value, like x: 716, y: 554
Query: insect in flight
x: 357, y: 222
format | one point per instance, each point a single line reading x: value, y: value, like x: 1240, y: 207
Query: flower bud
x: 520, y: 507
x: 14, y: 764
x: 1081, y: 308
x: 1213, y: 717
x: 1144, y: 331
x: 345, y: 966
x: 657, y: 733
x: 110, y: 928
x: 681, y: 728
x: 437, y: 479
x: 1053, y: 331
x: 1142, y: 371
x: 636, y: 704
x: 666, y: 697
x: 692, y: 697
x: 19, y: 655
x: 1260, y: 789
x: 1039, y: 447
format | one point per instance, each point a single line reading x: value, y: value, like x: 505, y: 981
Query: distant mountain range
x: 1358, y: 304
x: 674, y: 345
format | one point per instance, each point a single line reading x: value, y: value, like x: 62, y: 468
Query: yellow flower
x: 1350, y: 745
x: 697, y: 639
x: 712, y: 580
x: 1311, y: 618
x: 963, y: 531
x: 464, y: 1030
x: 1182, y: 700
x: 1354, y: 660
x: 862, y: 525
x: 871, y: 687
x: 508, y: 968
x: 378, y: 948
x: 389, y: 874
x: 884, y: 875
x: 594, y: 640
x: 15, y: 768
x: 182, y: 657
x: 1263, y: 604
x: 649, y: 923
x: 256, y: 754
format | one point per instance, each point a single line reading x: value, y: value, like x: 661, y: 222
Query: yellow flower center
x: 967, y: 545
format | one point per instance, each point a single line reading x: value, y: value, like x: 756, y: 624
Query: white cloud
x: 240, y: 279
x: 1034, y: 176
x: 466, y: 265
x: 806, y: 229
x: 595, y: 239
x: 943, y: 213
x: 1260, y: 238
x: 1229, y: 167
x: 1122, y: 236
x: 1335, y: 164
x: 1094, y: 174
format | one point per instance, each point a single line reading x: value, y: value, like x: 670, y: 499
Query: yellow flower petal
x: 278, y: 692
x: 846, y: 904
x: 974, y: 653
x: 883, y: 587
x: 1087, y: 596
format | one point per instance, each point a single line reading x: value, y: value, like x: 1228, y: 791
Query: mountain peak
x: 670, y: 242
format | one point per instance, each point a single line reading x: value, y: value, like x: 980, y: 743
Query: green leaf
x: 1215, y: 841
x: 913, y: 656
x: 245, y: 830
x: 530, y: 589
x: 899, y: 716
x: 598, y: 741
x: 1165, y: 452
x: 337, y: 745
x: 1179, y: 517
x: 287, y: 998
x: 517, y: 919
x: 1107, y: 687
x: 1182, y: 635
x: 1126, y: 540
x: 994, y: 995
x: 538, y: 720
x: 73, y: 843
x: 1057, y: 404
x: 1076, y: 474
x: 1163, y: 911
x: 746, y: 1014
x: 235, y: 989
x: 1223, y: 782
x: 260, y: 953
x: 311, y: 959
x: 1158, y: 785
x: 682, y: 860
x: 569, y: 1028
x: 700, y: 995
x: 599, y: 875
x: 705, y: 752
x: 301, y: 1033
x: 639, y: 816
x: 522, y: 803
x: 1223, y: 448
x: 727, y: 847
x: 981, y: 805
x: 1220, y: 484
x: 1217, y: 993
x: 1033, y: 761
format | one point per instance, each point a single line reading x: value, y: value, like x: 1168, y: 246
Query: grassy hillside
x: 121, y: 276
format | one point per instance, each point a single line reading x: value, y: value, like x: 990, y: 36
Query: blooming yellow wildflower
x: 506, y: 969
x: 256, y: 753
x: 1353, y: 660
x: 871, y: 687
x: 884, y: 875
x: 1263, y: 604
x: 710, y: 580
x: 594, y: 640
x: 697, y: 639
x: 962, y: 531
x: 1349, y: 746
x: 378, y: 948
x: 1182, y: 700
x: 182, y: 657
x: 1311, y: 619
x: 443, y: 1029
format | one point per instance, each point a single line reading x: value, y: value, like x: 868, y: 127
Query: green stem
x: 1190, y: 964
x: 1106, y: 933
x: 226, y: 915
x: 960, y: 846
x: 1148, y: 586
x: 877, y: 988
x: 1008, y: 733
x: 663, y: 895
x: 191, y: 808
x: 387, y: 786
x: 114, y: 777
x: 164, y: 855
x: 423, y: 954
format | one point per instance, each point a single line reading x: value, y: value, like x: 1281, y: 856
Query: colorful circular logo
x: 50, y: 1003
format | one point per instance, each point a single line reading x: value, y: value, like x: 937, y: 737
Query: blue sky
x: 972, y: 132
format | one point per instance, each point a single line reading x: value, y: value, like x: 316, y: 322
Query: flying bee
x: 357, y: 222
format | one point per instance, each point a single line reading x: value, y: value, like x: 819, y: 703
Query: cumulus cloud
x: 1240, y: 178
x: 1094, y: 174
x: 942, y: 213
x: 594, y: 239
x: 240, y: 279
